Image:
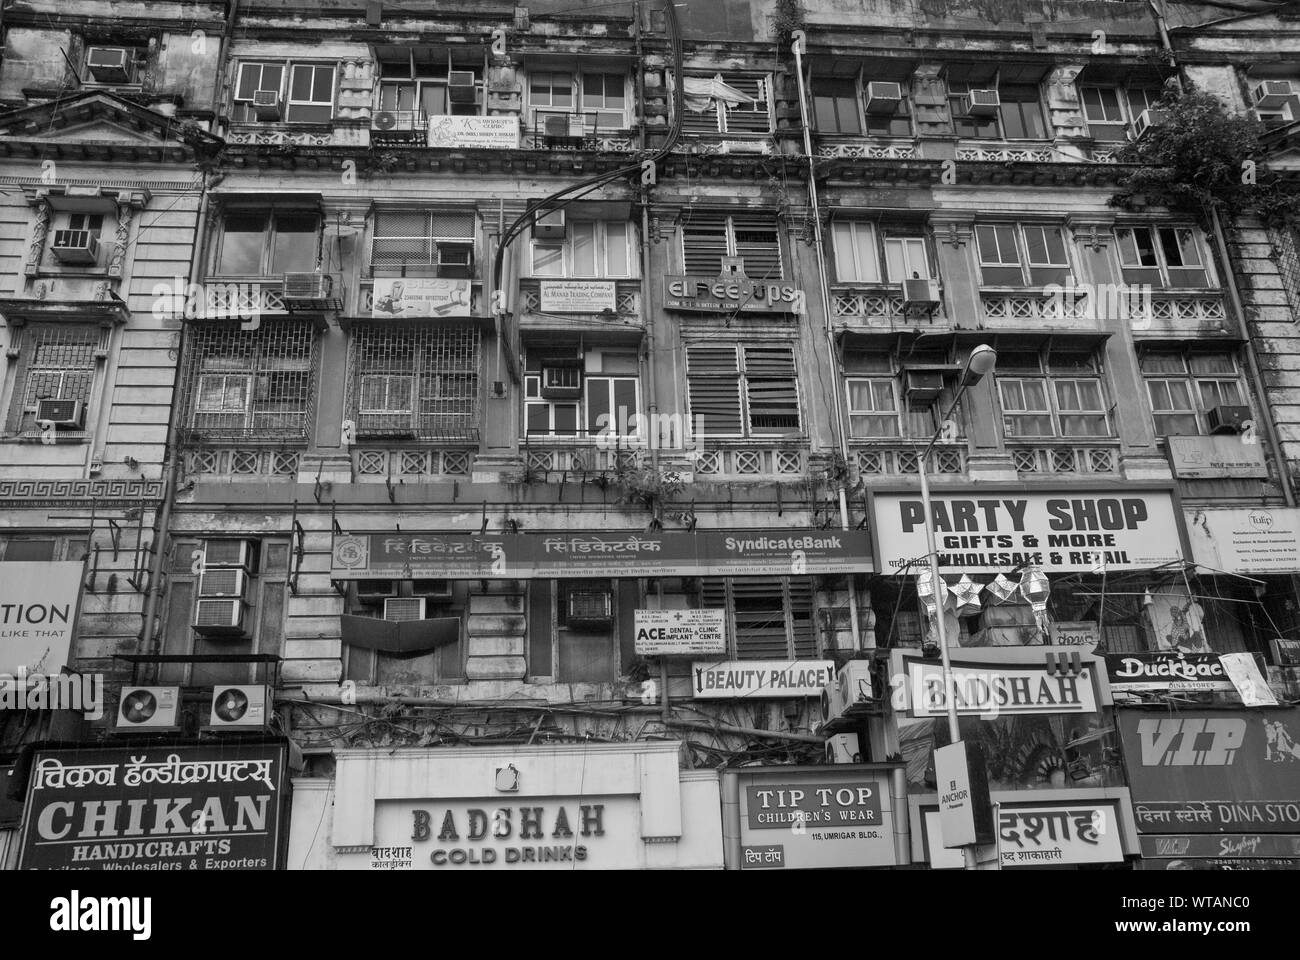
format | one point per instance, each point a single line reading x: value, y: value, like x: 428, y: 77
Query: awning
x: 407, y: 636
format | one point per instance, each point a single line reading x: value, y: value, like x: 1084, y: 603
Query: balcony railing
x: 577, y: 131
x: 1009, y: 153
x: 1002, y: 309
x: 1182, y: 313
x: 752, y: 459
x: 249, y: 463
x: 399, y: 128
x: 881, y: 307
x: 627, y: 295
x: 1065, y: 458
x: 859, y: 149
x: 882, y: 459
x: 547, y: 452
x: 378, y: 465
x: 236, y: 299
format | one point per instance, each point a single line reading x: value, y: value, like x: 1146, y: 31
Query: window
x: 857, y: 257
x: 415, y: 383
x: 308, y: 97
x: 1110, y: 111
x: 604, y: 99
x: 1184, y: 385
x: 251, y: 385
x: 743, y: 389
x: 575, y: 628
x: 55, y: 362
x: 726, y: 103
x: 591, y: 248
x: 896, y: 124
x: 442, y: 664
x: 1063, y: 398
x: 963, y: 124
x: 597, y: 404
x: 1162, y: 256
x: 873, y: 406
x: 769, y: 618
x: 38, y: 547
x: 420, y: 81
x: 906, y: 259
x: 1019, y: 115
x: 427, y: 238
x: 113, y: 64
x: 835, y: 106
x: 708, y: 237
x: 260, y: 243
x: 1014, y: 255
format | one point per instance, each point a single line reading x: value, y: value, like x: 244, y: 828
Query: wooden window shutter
x: 704, y: 244
x: 757, y: 240
x: 713, y: 383
x: 772, y: 389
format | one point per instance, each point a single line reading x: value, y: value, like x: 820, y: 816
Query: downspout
x: 840, y: 425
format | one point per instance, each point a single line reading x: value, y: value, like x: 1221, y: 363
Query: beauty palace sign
x: 1063, y: 533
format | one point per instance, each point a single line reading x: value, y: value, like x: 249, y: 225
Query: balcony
x: 873, y: 149
x: 596, y: 298
x: 551, y: 457
x: 577, y: 131
x: 1068, y: 308
x: 881, y: 307
x: 1183, y: 314
x: 752, y: 460
x: 1065, y: 458
x: 1010, y: 153
x: 381, y: 465
x: 900, y: 458
x: 399, y: 128
x: 259, y: 463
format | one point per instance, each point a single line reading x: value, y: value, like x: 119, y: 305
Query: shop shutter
x: 771, y: 388
x: 714, y: 389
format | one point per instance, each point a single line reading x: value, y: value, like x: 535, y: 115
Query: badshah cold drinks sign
x: 174, y: 808
x: 995, y: 532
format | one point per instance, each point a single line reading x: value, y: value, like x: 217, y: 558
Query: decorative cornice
x: 59, y: 493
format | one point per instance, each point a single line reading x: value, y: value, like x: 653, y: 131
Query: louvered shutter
x: 704, y: 243
x: 713, y: 383
x: 802, y: 634
x: 748, y: 117
x: 756, y: 240
x: 771, y: 389
x: 771, y: 617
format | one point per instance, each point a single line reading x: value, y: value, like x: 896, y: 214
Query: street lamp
x: 979, y: 364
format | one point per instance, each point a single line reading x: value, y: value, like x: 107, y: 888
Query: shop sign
x: 731, y: 294
x: 1075, y: 633
x: 558, y: 833
x: 140, y: 808
x: 1039, y: 835
x: 1216, y: 456
x: 577, y: 296
x: 1213, y: 771
x: 680, y: 632
x: 421, y: 297
x: 1165, y: 670
x: 993, y: 689
x: 1062, y: 533
x: 1243, y: 672
x: 1219, y: 863
x: 38, y: 615
x: 1234, y: 846
x: 491, y: 133
x: 626, y: 554
x: 792, y: 818
x: 1246, y: 539
x: 761, y: 679
x: 956, y: 804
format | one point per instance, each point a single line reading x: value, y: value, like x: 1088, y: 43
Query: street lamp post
x: 979, y: 364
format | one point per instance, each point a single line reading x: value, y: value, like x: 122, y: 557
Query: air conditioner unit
x: 843, y: 748
x: 589, y: 608
x: 1227, y: 419
x: 266, y: 104
x: 220, y: 618
x: 461, y: 87
x: 68, y: 414
x: 550, y: 226
x: 883, y: 97
x: 561, y: 382
x: 401, y: 609
x: 455, y: 259
x: 240, y: 707
x: 982, y: 103
x: 306, y: 286
x: 923, y: 385
x: 230, y: 553
x: 436, y: 590
x: 833, y: 717
x: 75, y: 246
x: 1286, y: 653
x: 920, y: 293
x: 223, y: 582
x: 1146, y: 120
x: 149, y: 709
x: 109, y: 64
x: 371, y: 590
x: 857, y: 688
x: 1273, y: 93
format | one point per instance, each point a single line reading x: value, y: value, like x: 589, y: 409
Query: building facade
x: 547, y: 393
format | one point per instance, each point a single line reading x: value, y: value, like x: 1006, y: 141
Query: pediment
x: 99, y: 118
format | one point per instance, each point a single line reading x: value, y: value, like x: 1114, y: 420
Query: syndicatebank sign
x: 1062, y: 533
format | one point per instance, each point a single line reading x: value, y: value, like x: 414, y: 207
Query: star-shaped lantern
x: 965, y: 596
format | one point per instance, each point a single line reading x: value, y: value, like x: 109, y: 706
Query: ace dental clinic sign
x: 996, y: 532
x: 38, y: 614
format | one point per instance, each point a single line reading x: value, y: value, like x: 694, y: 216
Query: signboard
x: 1077, y: 633
x: 1246, y: 539
x: 1213, y: 771
x: 677, y: 632
x: 1039, y: 835
x: 491, y: 133
x: 617, y: 554
x: 1244, y: 674
x: 956, y: 805
x: 793, y: 818
x: 994, y: 533
x: 1237, y: 846
x: 994, y: 689
x: 213, y: 807
x: 732, y: 294
x: 577, y: 296
x: 38, y: 615
x: 421, y: 297
x: 1165, y: 670
x: 504, y: 833
x: 1216, y: 456
x: 763, y: 679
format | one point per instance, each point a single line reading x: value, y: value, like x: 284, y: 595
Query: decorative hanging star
x: 965, y: 596
x: 1000, y: 588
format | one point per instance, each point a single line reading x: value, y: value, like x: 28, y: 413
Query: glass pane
x: 860, y: 395
x: 1145, y: 247
x: 433, y: 99
x: 1035, y: 394
x: 883, y: 395
x: 300, y: 87
x: 1169, y: 246
x: 842, y: 237
x: 566, y: 418
x: 1089, y: 425
x: 988, y: 244
x: 599, y: 418
x: 1205, y: 363
x: 1013, y: 397
x: 918, y: 264
x: 617, y: 255
x: 241, y: 245
x: 295, y: 243
x: 896, y: 260
x: 538, y: 417
x: 36, y: 550
x: 584, y: 248
x: 1151, y: 362
x: 322, y: 88
x: 548, y: 260
x: 625, y: 405
x: 1188, y: 248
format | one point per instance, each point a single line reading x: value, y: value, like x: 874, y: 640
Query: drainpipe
x: 839, y: 424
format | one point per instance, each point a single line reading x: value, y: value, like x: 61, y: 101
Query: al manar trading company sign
x: 994, y: 533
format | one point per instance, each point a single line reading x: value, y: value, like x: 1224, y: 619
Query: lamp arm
x: 956, y: 398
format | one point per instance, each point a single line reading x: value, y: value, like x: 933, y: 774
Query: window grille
x: 56, y: 362
x: 415, y: 382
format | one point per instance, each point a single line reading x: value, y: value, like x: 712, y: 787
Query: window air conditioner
x: 306, y: 286
x: 241, y: 554
x: 75, y: 246
x: 1273, y: 93
x: 240, y: 707
x: 923, y: 385
x: 920, y: 293
x: 461, y: 87
x: 849, y: 696
x: 1227, y: 419
x: 401, y: 609
x: 220, y: 618
x: 561, y: 382
x: 223, y: 582
x: 266, y: 104
x: 388, y: 120
x: 1148, y: 119
x: 109, y: 64
x: 843, y: 748
x: 148, y: 709
x: 982, y: 103
x: 68, y: 414
x: 550, y: 226
x: 455, y: 259
x: 589, y: 608
x: 883, y: 98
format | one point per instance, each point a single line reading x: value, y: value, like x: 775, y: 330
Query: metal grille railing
x: 59, y: 365
x: 1286, y: 251
x: 418, y: 382
x: 878, y: 461
x: 242, y: 385
x: 1067, y: 460
x: 423, y: 238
